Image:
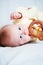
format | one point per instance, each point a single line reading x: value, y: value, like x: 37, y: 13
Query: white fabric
x: 29, y: 54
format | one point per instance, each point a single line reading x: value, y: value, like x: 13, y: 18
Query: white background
x: 7, y: 6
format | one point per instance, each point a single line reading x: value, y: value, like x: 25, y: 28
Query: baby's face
x: 14, y: 35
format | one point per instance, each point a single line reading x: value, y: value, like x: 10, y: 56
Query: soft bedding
x: 29, y: 54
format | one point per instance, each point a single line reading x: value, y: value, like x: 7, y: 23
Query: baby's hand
x: 36, y: 29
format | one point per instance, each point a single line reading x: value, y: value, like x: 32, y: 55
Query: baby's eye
x: 19, y: 28
x: 20, y: 36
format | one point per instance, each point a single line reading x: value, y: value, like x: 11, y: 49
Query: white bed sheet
x: 29, y: 54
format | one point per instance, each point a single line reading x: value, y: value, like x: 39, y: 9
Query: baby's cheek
x: 15, y: 38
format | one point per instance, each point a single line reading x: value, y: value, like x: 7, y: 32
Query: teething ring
x: 36, y: 29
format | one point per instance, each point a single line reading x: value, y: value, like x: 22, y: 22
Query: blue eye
x: 20, y: 36
x: 19, y: 28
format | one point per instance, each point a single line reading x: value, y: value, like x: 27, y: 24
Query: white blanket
x: 29, y: 54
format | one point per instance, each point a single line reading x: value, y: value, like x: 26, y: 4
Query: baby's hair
x: 2, y: 36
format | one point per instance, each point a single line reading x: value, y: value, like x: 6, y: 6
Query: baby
x: 15, y: 34
x: 22, y: 30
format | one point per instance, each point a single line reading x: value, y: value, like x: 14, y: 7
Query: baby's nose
x: 25, y: 32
